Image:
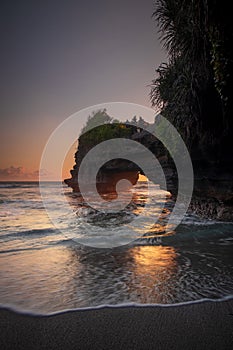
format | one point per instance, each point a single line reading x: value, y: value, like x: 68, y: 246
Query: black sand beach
x: 204, y: 325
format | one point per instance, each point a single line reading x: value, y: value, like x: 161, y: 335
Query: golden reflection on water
x: 157, y: 256
x: 154, y: 270
x: 38, y: 280
x: 59, y: 278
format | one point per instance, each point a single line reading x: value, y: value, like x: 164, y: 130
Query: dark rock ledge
x: 213, y: 181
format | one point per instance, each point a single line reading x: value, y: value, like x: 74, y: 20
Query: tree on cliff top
x: 101, y: 127
x: 97, y: 118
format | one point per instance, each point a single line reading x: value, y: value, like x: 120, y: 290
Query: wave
x: 17, y: 250
x: 67, y: 243
x: 22, y: 311
x: 34, y: 232
x: 28, y: 184
x: 193, y: 219
x: 19, y: 184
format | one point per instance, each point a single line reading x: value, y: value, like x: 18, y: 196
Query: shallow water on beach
x: 44, y: 270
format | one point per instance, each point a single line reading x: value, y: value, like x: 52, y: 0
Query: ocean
x: 45, y: 270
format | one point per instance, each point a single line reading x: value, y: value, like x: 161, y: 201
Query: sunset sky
x: 58, y: 57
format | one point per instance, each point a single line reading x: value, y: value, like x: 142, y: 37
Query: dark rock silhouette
x: 213, y: 185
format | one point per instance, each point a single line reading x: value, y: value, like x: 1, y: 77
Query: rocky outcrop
x: 213, y: 180
x: 213, y: 190
x: 118, y: 169
x: 109, y: 174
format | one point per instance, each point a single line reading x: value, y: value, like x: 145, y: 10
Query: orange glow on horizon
x: 69, y: 161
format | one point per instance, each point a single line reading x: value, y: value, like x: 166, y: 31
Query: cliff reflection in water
x: 158, y: 207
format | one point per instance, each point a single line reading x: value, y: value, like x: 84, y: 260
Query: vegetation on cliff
x: 101, y: 127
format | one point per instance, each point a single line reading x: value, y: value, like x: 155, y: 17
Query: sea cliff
x: 213, y: 178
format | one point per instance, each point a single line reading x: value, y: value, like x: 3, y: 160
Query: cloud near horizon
x: 21, y: 173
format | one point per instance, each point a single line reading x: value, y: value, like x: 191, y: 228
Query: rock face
x: 108, y: 176
x: 113, y: 171
x: 213, y: 191
x: 213, y: 180
x: 110, y: 173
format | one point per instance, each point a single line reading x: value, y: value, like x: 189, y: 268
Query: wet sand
x: 204, y: 325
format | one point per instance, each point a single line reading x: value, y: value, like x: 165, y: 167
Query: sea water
x: 44, y: 269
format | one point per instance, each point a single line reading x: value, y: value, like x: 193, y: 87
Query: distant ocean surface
x: 44, y: 270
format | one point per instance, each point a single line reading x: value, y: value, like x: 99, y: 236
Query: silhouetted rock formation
x: 213, y: 180
x: 114, y: 170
